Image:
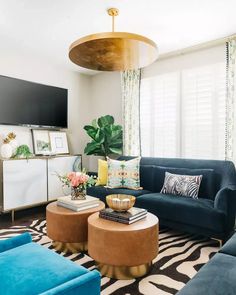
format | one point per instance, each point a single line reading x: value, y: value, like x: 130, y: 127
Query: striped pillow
x: 181, y: 185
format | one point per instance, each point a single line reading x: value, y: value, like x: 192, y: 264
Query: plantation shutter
x: 183, y: 106
x: 203, y: 112
x: 159, y: 115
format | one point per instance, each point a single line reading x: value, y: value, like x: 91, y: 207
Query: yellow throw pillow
x: 102, y: 172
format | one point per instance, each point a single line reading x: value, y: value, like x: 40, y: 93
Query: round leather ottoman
x: 123, y: 251
x: 69, y: 229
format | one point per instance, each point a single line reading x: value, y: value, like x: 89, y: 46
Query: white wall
x: 185, y: 61
x: 105, y: 100
x: 19, y: 65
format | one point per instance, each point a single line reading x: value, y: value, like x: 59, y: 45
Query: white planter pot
x: 6, y: 151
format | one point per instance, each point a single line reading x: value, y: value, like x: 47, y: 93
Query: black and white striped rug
x: 180, y: 257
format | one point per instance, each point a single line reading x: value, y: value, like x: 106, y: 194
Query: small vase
x: 14, y: 145
x: 6, y: 151
x: 78, y: 193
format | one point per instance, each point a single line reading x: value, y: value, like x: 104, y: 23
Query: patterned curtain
x: 130, y: 83
x: 230, y: 139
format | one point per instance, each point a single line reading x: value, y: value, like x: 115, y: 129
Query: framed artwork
x: 41, y: 142
x: 58, y: 140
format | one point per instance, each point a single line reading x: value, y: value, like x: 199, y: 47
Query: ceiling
x: 46, y: 28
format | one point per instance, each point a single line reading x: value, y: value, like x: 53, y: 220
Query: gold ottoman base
x: 70, y: 247
x: 124, y: 272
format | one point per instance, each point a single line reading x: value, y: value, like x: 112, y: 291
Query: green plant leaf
x: 94, y: 123
x: 100, y: 137
x: 107, y: 138
x: 93, y: 148
x: 105, y: 121
x: 91, y: 131
x: 115, y: 150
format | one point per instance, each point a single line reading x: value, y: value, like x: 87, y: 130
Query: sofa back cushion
x: 223, y: 175
x: 206, y: 189
x: 147, y: 177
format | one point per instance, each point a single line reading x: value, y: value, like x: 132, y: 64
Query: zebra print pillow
x: 182, y: 185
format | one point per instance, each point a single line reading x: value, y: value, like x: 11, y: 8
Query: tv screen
x: 28, y: 103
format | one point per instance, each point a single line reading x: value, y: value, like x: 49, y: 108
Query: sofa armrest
x: 225, y: 201
x: 14, y: 242
x: 87, y: 284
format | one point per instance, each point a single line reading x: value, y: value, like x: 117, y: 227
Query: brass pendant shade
x: 113, y: 51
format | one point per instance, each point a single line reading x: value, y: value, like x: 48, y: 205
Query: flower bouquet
x: 78, y: 182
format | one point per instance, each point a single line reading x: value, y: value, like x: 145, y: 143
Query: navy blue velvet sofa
x: 212, y: 214
x: 217, y: 277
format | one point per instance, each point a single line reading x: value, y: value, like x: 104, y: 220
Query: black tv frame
x: 39, y: 126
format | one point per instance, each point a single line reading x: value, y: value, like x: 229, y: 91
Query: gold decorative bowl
x: 120, y: 202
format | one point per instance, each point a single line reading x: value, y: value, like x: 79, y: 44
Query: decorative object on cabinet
x: 107, y: 138
x: 41, y: 142
x: 58, y: 140
x: 13, y: 142
x: 77, y: 167
x: 6, y: 149
x: 22, y: 152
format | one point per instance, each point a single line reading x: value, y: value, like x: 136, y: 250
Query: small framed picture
x: 58, y: 140
x: 41, y: 142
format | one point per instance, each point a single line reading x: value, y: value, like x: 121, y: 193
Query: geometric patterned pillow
x: 123, y: 174
x: 182, y: 185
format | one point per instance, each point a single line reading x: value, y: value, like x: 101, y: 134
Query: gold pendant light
x: 113, y: 51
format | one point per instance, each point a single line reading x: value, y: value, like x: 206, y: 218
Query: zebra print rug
x: 180, y: 257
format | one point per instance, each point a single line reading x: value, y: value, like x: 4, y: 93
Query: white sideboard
x: 26, y: 183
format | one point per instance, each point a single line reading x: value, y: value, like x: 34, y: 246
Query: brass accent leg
x: 12, y: 216
x: 124, y: 272
x: 218, y: 240
x: 70, y: 247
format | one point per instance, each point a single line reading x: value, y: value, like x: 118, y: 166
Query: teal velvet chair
x: 28, y: 268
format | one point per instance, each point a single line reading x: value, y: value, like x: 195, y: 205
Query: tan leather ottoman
x: 69, y: 229
x: 123, y: 251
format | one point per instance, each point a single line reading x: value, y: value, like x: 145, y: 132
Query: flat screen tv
x: 32, y: 104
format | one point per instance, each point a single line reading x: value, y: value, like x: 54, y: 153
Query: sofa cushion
x: 217, y: 277
x: 147, y: 177
x: 197, y: 212
x: 123, y: 174
x: 230, y: 247
x: 101, y: 192
x: 32, y: 269
x: 207, y: 188
x: 181, y: 185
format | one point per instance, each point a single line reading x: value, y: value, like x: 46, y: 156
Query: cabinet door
x: 24, y: 183
x: 60, y: 165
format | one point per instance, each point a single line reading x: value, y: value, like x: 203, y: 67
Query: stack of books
x: 128, y: 217
x: 78, y: 205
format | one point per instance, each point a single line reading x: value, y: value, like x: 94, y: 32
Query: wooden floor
x: 23, y: 216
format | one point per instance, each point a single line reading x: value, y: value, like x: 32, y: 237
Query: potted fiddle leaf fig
x: 107, y: 138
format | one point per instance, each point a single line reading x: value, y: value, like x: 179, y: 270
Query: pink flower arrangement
x: 77, y: 180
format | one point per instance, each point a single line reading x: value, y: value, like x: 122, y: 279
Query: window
x: 182, y: 113
x: 159, y: 115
